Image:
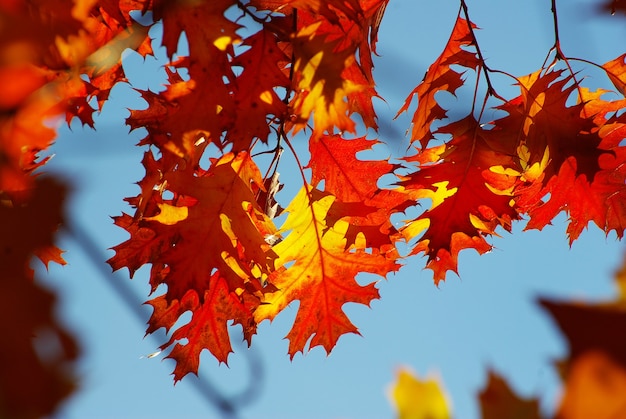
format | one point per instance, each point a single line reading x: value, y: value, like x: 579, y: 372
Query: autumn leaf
x: 497, y: 400
x: 200, y: 106
x: 441, y: 77
x: 166, y: 128
x: 354, y: 183
x: 357, y: 36
x: 418, y: 399
x: 316, y: 267
x: 616, y: 70
x: 568, y: 152
x: 216, y: 212
x: 210, y: 250
x: 470, y: 193
x: 208, y: 327
x: 204, y: 24
x: 256, y: 93
x: 321, y: 90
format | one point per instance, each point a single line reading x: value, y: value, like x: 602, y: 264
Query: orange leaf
x: 441, y: 77
x: 255, y: 96
x: 222, y: 221
x: 354, y: 181
x: 583, y: 174
x: 469, y: 199
x: 616, y: 70
x: 322, y: 276
x: 208, y: 327
x: 354, y: 29
x: 207, y: 244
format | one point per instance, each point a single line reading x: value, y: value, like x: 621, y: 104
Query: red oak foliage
x: 469, y: 200
x: 441, y: 77
x: 257, y: 73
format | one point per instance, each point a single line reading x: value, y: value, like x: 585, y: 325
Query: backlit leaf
x: 418, y: 399
x: 316, y: 267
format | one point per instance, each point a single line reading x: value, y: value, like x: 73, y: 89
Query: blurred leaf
x: 417, y: 399
x: 595, y: 388
x: 497, y: 401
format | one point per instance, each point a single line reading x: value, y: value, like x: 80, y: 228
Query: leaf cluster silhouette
x: 261, y: 77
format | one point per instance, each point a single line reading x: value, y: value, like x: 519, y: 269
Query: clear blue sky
x: 486, y: 319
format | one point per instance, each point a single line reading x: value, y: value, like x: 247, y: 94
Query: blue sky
x: 487, y: 318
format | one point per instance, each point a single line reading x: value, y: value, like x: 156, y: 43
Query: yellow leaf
x: 316, y: 267
x: 417, y: 399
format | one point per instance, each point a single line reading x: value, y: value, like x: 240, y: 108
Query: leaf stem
x: 557, y: 43
x: 558, y: 52
x: 490, y: 90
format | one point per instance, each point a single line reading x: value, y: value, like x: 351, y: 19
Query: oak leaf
x: 222, y: 220
x: 320, y: 89
x: 354, y: 183
x: 316, y: 267
x: 255, y: 97
x: 208, y: 245
x: 441, y: 77
x: 208, y: 327
x: 470, y: 195
x: 357, y: 36
x: 568, y: 152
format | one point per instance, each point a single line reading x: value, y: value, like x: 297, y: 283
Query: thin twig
x: 490, y: 90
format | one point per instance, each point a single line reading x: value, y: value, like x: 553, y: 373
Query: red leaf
x: 581, y: 175
x: 469, y: 198
x: 208, y: 327
x: 207, y: 244
x: 441, y: 77
x: 354, y: 181
x: 255, y: 96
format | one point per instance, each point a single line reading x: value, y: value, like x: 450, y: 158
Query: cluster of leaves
x: 257, y: 73
x: 593, y: 375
